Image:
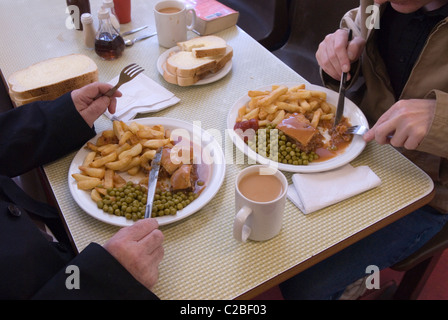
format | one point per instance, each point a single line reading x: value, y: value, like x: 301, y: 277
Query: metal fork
x: 127, y: 74
x: 358, y: 130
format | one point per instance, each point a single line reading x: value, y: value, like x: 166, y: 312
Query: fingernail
x: 345, y: 68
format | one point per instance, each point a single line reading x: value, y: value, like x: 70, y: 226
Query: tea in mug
x: 169, y: 10
x: 260, y: 188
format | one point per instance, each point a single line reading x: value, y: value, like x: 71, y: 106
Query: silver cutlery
x: 133, y: 31
x: 127, y: 74
x: 360, y: 130
x: 129, y: 42
x: 342, y: 86
x: 152, y: 182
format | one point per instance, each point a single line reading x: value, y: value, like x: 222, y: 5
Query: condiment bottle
x: 76, y: 8
x: 123, y: 10
x: 88, y: 30
x: 109, y: 45
x: 109, y: 5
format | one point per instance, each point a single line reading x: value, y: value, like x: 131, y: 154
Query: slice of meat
x: 181, y: 178
x: 298, y: 127
x: 166, y: 162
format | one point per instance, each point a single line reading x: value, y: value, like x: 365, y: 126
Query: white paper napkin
x: 313, y: 191
x: 141, y: 95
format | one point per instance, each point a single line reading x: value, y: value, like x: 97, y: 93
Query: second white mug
x: 171, y: 22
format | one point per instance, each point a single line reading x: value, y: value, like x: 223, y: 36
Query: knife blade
x: 152, y: 182
x: 342, y: 87
x: 133, y: 31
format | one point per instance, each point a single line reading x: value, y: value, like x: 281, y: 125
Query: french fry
x: 100, y: 162
x: 289, y: 107
x: 89, y: 158
x: 316, y: 117
x: 150, y: 133
x: 92, y: 172
x: 107, y: 148
x: 279, y: 117
x: 95, y: 195
x: 120, y: 164
x: 79, y: 177
x: 89, y: 183
x: 135, y: 150
x: 108, y: 179
x: 252, y: 114
x: 156, y: 143
x: 118, y: 180
x: 272, y: 96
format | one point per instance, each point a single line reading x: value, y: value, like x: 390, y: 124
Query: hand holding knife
x: 342, y: 87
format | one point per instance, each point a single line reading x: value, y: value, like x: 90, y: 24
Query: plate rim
x: 218, y: 175
x: 330, y: 164
x: 206, y: 80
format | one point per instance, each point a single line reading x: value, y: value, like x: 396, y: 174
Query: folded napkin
x: 313, y: 191
x: 141, y: 95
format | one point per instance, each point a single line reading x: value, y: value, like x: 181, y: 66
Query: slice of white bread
x: 179, y: 75
x: 185, y: 64
x: 206, y: 46
x: 182, y: 81
x: 54, y: 77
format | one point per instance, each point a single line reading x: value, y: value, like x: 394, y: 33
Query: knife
x: 342, y: 87
x: 152, y: 182
x: 133, y: 31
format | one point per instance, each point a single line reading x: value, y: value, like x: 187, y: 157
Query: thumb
x: 355, y: 48
x: 369, y: 135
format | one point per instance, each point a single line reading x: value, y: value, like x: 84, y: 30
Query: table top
x: 202, y: 260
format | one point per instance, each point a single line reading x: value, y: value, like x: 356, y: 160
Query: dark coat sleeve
x: 94, y: 274
x: 30, y: 136
x: 38, y: 133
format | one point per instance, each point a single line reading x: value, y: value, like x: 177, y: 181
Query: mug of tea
x: 171, y: 22
x: 260, y: 197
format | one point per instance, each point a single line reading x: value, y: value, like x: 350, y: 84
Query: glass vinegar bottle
x: 109, y: 45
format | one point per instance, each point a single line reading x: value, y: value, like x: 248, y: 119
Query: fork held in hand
x: 127, y: 74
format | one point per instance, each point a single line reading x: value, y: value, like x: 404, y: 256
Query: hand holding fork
x: 127, y: 74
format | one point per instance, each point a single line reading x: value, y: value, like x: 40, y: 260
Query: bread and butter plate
x: 351, y: 111
x: 212, y: 77
x: 210, y: 153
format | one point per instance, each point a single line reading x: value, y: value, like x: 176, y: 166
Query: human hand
x: 139, y: 249
x: 89, y: 108
x: 408, y: 120
x: 334, y: 54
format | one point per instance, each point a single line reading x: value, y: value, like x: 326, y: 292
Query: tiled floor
x: 436, y: 287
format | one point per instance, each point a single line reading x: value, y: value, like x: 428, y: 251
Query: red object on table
x: 123, y: 10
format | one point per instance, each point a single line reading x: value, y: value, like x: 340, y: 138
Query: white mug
x: 259, y: 220
x: 172, y: 25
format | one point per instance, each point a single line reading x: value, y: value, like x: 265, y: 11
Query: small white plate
x: 211, y: 152
x: 212, y: 77
x: 351, y: 111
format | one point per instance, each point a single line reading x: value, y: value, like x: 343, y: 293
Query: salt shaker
x: 88, y: 30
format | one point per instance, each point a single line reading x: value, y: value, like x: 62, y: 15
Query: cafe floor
x: 436, y: 287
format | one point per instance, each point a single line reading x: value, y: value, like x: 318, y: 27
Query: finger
x: 142, y: 228
x: 355, y: 48
x: 112, y: 106
x: 340, y: 49
x: 384, y: 130
x: 152, y: 241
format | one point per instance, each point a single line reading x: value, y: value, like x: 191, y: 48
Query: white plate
x: 211, y: 151
x: 212, y: 77
x: 351, y: 111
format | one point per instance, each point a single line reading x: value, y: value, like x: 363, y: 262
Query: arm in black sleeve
x: 40, y: 132
x: 100, y: 277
